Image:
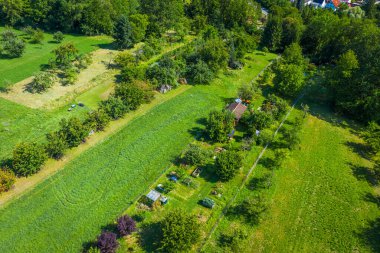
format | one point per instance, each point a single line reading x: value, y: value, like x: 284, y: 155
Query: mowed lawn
x: 317, y: 201
x: 37, y: 55
x: 72, y: 207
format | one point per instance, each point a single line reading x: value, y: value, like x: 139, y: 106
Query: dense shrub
x: 126, y: 225
x: 107, y: 242
x: 227, y: 164
x: 7, y: 179
x: 28, y: 158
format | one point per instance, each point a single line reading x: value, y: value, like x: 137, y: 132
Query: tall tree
x: 123, y: 33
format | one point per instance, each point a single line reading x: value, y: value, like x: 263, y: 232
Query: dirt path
x: 59, y: 94
x: 24, y: 185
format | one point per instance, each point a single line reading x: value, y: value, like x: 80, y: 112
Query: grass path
x: 25, y: 184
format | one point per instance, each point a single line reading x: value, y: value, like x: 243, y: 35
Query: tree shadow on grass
x: 363, y: 173
x: 149, y: 237
x: 208, y: 173
x: 370, y: 197
x: 371, y: 235
x: 359, y: 148
x: 87, y: 245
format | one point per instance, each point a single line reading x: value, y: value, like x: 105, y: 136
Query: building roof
x: 153, y: 195
x: 336, y: 2
x: 237, y: 109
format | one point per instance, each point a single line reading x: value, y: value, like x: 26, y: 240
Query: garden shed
x: 153, y: 196
x: 237, y: 109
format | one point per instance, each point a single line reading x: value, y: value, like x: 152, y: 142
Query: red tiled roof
x: 336, y: 2
x: 237, y: 109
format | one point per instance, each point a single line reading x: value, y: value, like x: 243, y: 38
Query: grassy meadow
x: 70, y: 208
x: 37, y: 55
x: 318, y: 199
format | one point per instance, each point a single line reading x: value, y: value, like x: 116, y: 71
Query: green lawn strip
x: 70, y: 208
x: 36, y: 55
x: 315, y: 200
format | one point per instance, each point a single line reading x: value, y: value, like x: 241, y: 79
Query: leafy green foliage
x: 289, y: 79
x: 179, y: 231
x: 200, y: 73
x: 219, y: 125
x: 74, y: 131
x: 56, y: 144
x: 58, y: 36
x: 131, y: 95
x: 10, y: 45
x: 114, y: 107
x: 195, y: 155
x: 37, y: 36
x: 372, y: 136
x: 65, y: 53
x: 123, y: 33
x: 28, y: 158
x: 252, y: 209
x: 233, y: 241
x: 227, y: 164
x: 41, y: 82
x: 97, y: 120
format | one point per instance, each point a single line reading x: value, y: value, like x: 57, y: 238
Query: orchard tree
x: 219, y: 125
x: 214, y: 53
x: 195, y: 155
x: 74, y: 131
x: 179, y: 231
x: 58, y: 37
x: 107, y: 242
x: 65, y: 53
x: 131, y: 95
x: 272, y: 35
x: 227, y: 164
x: 28, y: 158
x: 37, y: 36
x: 97, y: 120
x: 56, y: 144
x: 10, y: 45
x: 126, y: 225
x: 41, y: 82
x: 252, y: 209
x: 114, y: 107
x: 260, y: 120
x: 293, y: 55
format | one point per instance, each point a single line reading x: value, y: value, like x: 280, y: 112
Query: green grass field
x: 72, y: 207
x: 317, y: 202
x: 20, y: 123
x: 36, y: 55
